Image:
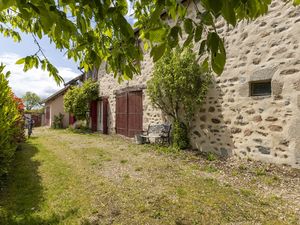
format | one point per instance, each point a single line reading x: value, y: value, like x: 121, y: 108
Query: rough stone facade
x: 232, y: 122
x: 108, y: 86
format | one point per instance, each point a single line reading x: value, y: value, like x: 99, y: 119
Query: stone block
x: 235, y: 130
x: 243, y: 90
x: 263, y: 74
x: 211, y: 109
x: 197, y: 133
x: 297, y: 85
x: 271, y: 118
x: 289, y: 71
x: 263, y: 149
x: 215, y: 120
x: 250, y: 111
x: 257, y: 118
x: 224, y: 152
x: 277, y: 87
x: 276, y: 128
x: 247, y: 132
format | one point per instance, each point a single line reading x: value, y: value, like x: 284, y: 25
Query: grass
x: 60, y: 177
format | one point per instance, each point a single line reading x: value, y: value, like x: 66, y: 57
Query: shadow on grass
x: 21, y: 193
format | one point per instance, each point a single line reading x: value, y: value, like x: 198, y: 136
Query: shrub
x: 11, y: 125
x: 58, y: 121
x: 180, y: 135
x: 179, y: 85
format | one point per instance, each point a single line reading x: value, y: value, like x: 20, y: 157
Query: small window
x: 260, y: 88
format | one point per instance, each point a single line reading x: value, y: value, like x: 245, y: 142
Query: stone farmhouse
x: 252, y: 110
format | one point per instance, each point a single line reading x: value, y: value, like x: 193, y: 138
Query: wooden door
x: 93, y: 114
x: 71, y: 119
x: 121, y: 114
x: 129, y: 113
x: 105, y: 114
x: 135, y: 113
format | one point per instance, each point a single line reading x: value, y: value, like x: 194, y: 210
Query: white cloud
x: 34, y: 80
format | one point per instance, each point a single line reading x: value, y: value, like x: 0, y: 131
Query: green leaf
x: 216, y: 6
x: 207, y: 18
x: 188, y: 25
x: 158, y: 51
x: 127, y: 73
x: 20, y: 61
x: 228, y: 12
x: 202, y: 47
x: 173, y: 36
x: 188, y: 40
x: 157, y: 35
x: 198, y: 32
x: 4, y: 4
x: 296, y: 2
x: 218, y: 62
x: 204, y: 65
x: 125, y: 27
x: 159, y: 6
x: 213, y: 40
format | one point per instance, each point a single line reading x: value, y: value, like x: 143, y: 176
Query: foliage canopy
x: 95, y: 31
x: 31, y: 100
x: 77, y: 99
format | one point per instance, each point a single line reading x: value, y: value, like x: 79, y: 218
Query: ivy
x: 77, y: 99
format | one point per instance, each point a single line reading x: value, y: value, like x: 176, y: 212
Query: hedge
x: 11, y: 123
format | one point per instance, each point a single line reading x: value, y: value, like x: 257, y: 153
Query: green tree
x: 95, y: 31
x: 77, y: 99
x: 31, y: 100
x: 179, y: 85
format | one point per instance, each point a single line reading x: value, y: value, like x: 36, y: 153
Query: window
x: 260, y: 88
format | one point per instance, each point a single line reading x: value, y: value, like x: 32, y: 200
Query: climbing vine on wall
x: 77, y: 99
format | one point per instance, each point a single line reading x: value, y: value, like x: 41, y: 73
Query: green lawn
x: 64, y: 178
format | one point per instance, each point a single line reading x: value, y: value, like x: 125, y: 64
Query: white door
x: 100, y: 116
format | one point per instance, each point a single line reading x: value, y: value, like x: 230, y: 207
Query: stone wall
x: 109, y: 85
x: 231, y: 122
x: 262, y: 128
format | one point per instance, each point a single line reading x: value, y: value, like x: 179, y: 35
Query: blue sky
x: 36, y: 80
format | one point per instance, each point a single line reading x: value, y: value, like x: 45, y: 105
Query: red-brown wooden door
x: 121, y: 114
x: 93, y: 114
x: 129, y: 113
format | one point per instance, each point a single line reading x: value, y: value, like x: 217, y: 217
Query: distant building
x: 54, y: 104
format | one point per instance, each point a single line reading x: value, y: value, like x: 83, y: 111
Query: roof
x: 62, y: 91
x: 56, y: 94
x: 80, y: 77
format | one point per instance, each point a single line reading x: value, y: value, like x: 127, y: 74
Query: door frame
x: 126, y: 129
